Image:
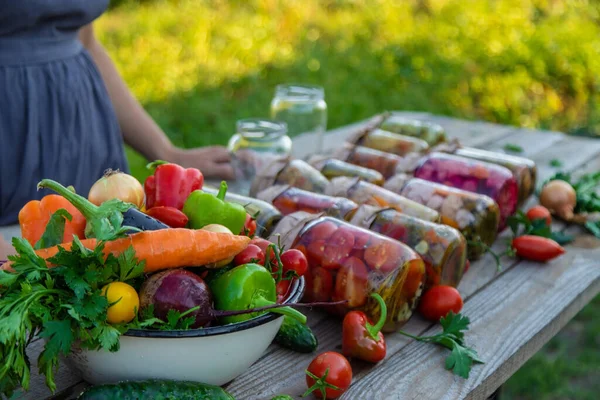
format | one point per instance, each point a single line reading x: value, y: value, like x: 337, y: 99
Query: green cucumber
x: 296, y: 336
x: 156, y: 390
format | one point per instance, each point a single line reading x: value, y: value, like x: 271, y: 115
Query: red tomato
x: 414, y: 278
x: 294, y: 260
x: 337, y: 248
x: 539, y: 212
x: 282, y: 289
x: 393, y: 231
x: 439, y: 301
x: 332, y: 368
x: 383, y: 255
x: 169, y: 215
x: 324, y: 230
x: 351, y: 283
x: 251, y: 254
x: 319, y: 284
x: 315, y: 252
x: 263, y: 244
x: 537, y: 248
x: 361, y: 239
x: 249, y: 228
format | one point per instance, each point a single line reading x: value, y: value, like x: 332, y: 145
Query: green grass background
x: 199, y: 65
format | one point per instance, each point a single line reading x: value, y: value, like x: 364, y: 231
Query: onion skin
x: 117, y: 185
x: 559, y: 198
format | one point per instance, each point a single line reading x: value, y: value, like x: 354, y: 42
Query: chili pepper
x: 537, y: 248
x: 169, y: 215
x: 247, y: 286
x: 360, y: 338
x: 35, y: 215
x: 171, y: 184
x: 204, y: 208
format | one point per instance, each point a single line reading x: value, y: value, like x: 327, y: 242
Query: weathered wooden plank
x: 572, y: 152
x: 471, y: 133
x: 511, y: 320
x: 532, y: 142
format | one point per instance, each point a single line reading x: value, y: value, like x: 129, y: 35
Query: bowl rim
x: 297, y: 290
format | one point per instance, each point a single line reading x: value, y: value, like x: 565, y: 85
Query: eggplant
x: 137, y: 219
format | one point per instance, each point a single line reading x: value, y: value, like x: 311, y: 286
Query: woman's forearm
x: 139, y: 129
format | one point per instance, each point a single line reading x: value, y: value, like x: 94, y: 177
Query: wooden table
x: 513, y: 312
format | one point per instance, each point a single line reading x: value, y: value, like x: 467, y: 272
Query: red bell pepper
x: 361, y: 339
x: 171, y: 184
x: 169, y: 215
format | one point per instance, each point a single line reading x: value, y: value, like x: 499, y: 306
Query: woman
x: 64, y: 109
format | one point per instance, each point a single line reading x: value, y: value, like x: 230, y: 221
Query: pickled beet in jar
x: 362, y: 192
x: 476, y: 216
x: 523, y: 169
x: 432, y: 133
x: 332, y: 168
x: 391, y: 142
x: 266, y: 215
x: 349, y: 263
x: 295, y: 173
x: 442, y: 248
x: 385, y: 163
x: 475, y: 176
x: 288, y: 199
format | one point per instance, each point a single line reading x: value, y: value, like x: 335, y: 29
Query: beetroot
x: 179, y: 290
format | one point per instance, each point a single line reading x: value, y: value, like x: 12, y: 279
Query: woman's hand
x: 5, y: 249
x: 212, y: 161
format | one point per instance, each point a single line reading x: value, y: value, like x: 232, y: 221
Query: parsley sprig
x: 462, y: 357
x: 519, y: 224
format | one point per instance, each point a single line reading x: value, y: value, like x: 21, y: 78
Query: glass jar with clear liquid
x: 257, y: 143
x: 302, y: 108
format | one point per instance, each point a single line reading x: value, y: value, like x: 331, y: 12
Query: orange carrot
x: 167, y: 248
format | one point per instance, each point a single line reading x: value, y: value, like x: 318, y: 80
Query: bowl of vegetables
x: 210, y: 354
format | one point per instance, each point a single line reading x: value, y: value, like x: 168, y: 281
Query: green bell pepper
x: 203, y: 209
x: 244, y: 287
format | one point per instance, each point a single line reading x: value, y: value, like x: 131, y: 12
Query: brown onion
x: 117, y: 185
x: 559, y: 198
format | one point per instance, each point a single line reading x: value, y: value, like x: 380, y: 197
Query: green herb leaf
x: 562, y: 238
x: 594, y: 228
x: 556, y: 163
x: 59, y: 337
x: 513, y: 148
x: 55, y: 230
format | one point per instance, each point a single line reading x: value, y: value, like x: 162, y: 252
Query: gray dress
x: 56, y: 119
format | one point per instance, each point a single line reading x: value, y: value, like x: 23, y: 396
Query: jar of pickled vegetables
x: 349, y: 263
x: 475, y: 176
x: 476, y: 216
x: 362, y: 192
x: 442, y: 248
x: 288, y: 199
x: 387, y: 164
x: 430, y: 132
x: 295, y: 173
x: 332, y: 168
x: 524, y: 170
x: 265, y: 214
x: 390, y: 142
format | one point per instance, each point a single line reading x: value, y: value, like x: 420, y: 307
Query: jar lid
x: 364, y: 215
x: 318, y: 161
x: 397, y: 182
x: 267, y: 176
x: 341, y: 186
x: 271, y: 193
x: 290, y: 226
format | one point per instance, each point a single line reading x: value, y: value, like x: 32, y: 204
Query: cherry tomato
x: 393, y: 231
x: 126, y: 300
x: 337, y: 248
x: 285, y: 205
x: 169, y: 215
x: 315, y: 252
x: 249, y: 228
x: 414, y: 278
x: 324, y: 230
x: 251, y: 254
x: 319, y: 284
x: 537, y: 248
x: 439, y: 301
x: 383, y: 255
x: 282, y: 289
x: 351, y: 283
x: 361, y: 240
x: 263, y: 244
x: 332, y: 368
x: 294, y: 260
x: 539, y: 212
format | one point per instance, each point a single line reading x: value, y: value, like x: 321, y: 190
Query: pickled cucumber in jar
x: 476, y: 216
x: 475, y: 176
x: 288, y: 199
x: 332, y: 168
x: 442, y: 248
x: 432, y: 133
x: 349, y: 263
x: 295, y: 173
x: 524, y: 170
x: 390, y: 142
x: 362, y: 192
x: 386, y: 164
x: 265, y: 214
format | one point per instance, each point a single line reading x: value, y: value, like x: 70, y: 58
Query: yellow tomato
x: 126, y: 300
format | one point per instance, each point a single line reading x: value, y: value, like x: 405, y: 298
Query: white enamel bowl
x: 212, y: 355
